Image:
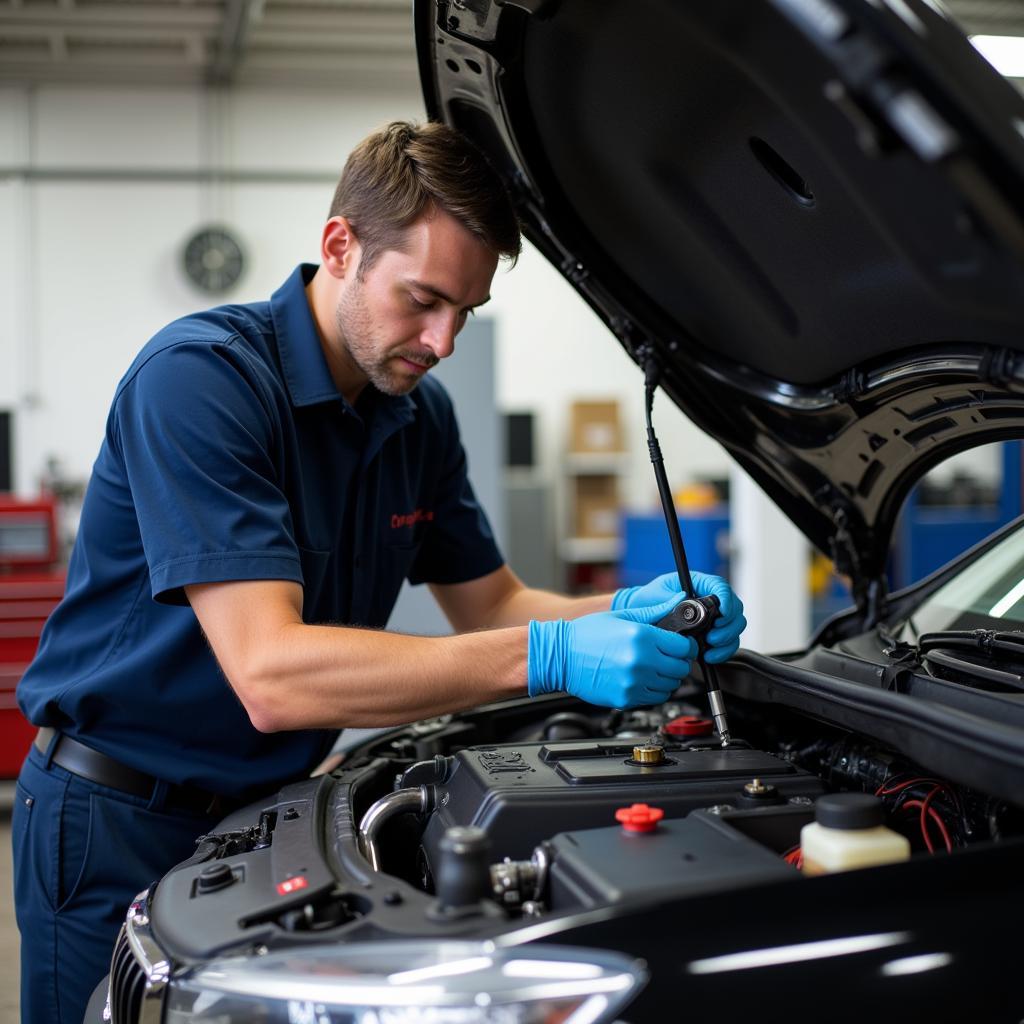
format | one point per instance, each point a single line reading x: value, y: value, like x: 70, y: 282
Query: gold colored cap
x: 648, y: 754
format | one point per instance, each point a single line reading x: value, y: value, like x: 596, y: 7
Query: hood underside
x: 809, y: 213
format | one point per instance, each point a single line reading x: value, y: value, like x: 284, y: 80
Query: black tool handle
x: 692, y: 617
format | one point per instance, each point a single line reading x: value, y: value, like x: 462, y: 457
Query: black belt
x: 96, y: 767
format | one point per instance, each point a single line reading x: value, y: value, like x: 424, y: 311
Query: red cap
x: 689, y: 725
x: 639, y: 817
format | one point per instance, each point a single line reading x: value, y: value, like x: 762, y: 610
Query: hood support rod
x: 652, y: 374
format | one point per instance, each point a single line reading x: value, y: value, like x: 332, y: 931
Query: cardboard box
x: 595, y: 427
x: 596, y: 504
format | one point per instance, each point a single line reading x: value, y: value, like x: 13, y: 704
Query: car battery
x: 698, y: 855
x: 31, y: 586
x: 524, y: 793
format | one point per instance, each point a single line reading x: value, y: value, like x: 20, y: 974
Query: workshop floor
x: 9, y: 940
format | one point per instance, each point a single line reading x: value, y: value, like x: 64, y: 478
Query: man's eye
x: 420, y: 305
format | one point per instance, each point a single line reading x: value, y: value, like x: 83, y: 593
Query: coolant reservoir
x: 849, y: 834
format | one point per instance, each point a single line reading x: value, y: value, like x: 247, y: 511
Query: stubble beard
x: 355, y: 327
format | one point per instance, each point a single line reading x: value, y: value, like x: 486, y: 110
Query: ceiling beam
x: 143, y: 17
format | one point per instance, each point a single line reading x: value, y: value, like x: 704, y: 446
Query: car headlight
x: 408, y: 982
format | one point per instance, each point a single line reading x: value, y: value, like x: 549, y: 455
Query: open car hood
x: 810, y: 213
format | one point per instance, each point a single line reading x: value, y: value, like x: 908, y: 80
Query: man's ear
x: 339, y: 248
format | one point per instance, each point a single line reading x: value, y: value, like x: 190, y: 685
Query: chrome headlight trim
x: 148, y: 958
x: 414, y: 980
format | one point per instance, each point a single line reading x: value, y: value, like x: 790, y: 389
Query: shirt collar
x: 302, y: 359
x: 303, y: 362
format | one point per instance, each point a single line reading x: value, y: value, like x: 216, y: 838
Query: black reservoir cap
x: 215, y: 877
x: 849, y: 810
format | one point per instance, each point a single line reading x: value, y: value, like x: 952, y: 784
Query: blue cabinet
x: 647, y: 550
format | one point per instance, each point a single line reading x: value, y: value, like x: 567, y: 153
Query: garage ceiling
x: 251, y: 42
x: 256, y: 42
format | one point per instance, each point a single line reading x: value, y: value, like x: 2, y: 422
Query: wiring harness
x: 935, y: 803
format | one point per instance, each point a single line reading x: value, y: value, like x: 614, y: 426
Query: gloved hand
x: 724, y: 638
x: 614, y: 659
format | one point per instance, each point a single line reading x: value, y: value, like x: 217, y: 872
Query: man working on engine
x: 270, y: 475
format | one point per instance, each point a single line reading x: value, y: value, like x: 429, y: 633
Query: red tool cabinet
x: 31, y: 584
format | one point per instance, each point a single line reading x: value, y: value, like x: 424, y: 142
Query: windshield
x: 986, y: 594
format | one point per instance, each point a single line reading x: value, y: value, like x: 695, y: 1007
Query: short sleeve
x: 458, y: 544
x: 196, y: 431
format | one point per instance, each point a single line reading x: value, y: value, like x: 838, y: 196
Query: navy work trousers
x: 82, y: 852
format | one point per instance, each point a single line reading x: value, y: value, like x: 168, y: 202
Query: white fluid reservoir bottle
x: 849, y: 833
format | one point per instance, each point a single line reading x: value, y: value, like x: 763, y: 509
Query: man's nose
x: 439, y: 335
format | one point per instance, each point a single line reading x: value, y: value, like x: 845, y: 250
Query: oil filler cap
x: 639, y: 817
x: 689, y: 726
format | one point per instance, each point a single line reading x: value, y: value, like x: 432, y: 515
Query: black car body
x: 807, y: 216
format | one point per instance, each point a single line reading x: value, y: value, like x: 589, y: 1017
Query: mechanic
x: 270, y: 475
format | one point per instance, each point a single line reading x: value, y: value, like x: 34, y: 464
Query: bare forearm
x: 527, y: 604
x: 336, y: 677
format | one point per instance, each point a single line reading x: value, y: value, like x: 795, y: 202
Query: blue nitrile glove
x: 724, y: 639
x: 615, y: 659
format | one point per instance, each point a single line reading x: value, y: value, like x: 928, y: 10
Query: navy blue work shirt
x: 230, y: 455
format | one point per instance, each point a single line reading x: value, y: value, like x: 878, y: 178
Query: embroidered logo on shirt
x: 421, y: 515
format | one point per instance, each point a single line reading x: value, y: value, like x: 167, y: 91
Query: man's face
x: 401, y: 317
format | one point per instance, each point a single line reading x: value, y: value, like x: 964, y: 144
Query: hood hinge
x: 843, y: 551
x: 868, y: 594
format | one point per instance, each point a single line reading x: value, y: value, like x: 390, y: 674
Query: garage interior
x: 128, y: 130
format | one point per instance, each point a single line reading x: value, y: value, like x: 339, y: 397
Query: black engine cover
x: 525, y: 793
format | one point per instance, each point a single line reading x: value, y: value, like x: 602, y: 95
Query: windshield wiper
x: 995, y: 645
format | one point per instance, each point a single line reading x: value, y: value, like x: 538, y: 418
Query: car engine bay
x: 520, y: 812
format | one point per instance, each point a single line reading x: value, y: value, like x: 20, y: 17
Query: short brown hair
x: 403, y: 170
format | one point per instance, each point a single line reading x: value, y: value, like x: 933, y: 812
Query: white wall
x: 552, y: 348
x: 15, y: 279
x: 89, y: 266
x: 89, y: 269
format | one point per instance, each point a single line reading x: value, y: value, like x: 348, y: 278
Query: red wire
x: 887, y: 790
x: 910, y: 805
x: 936, y: 817
x: 794, y: 856
x: 925, y: 808
x: 923, y: 821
